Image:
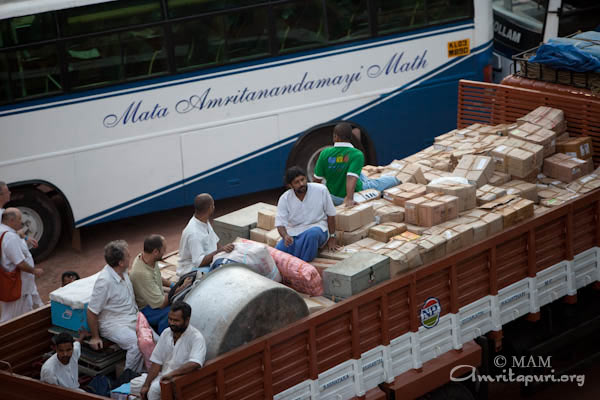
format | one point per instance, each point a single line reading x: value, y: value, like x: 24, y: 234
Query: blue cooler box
x: 66, y: 317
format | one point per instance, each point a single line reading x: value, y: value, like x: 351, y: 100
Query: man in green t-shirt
x: 341, y: 167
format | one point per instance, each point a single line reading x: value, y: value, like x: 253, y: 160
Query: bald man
x: 199, y: 242
x: 16, y: 255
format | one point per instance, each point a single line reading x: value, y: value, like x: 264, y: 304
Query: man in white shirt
x: 5, y: 198
x: 62, y: 368
x: 112, y: 311
x: 305, y: 217
x: 16, y: 255
x: 199, y: 242
x: 180, y: 349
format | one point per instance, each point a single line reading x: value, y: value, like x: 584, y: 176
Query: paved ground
x: 171, y: 223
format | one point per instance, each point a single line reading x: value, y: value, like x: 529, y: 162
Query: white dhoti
x: 14, y: 309
x: 124, y: 335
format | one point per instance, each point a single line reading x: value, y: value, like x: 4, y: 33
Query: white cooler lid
x: 77, y: 293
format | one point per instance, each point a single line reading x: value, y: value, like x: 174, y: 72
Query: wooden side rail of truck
x: 401, y: 338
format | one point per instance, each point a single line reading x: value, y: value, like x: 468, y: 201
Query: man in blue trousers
x: 305, y: 217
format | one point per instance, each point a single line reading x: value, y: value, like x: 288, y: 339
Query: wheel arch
x: 48, y: 189
x: 327, y: 128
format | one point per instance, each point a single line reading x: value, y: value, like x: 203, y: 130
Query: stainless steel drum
x: 233, y: 305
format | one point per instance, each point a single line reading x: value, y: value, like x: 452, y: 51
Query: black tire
x: 307, y: 149
x: 34, y: 203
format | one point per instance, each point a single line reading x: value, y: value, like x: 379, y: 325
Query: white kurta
x: 298, y: 216
x: 14, y: 252
x: 197, y: 240
x: 113, y: 301
x: 56, y: 373
x: 191, y: 347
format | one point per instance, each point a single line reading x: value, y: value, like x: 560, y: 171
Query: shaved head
x: 203, y: 203
x: 12, y: 217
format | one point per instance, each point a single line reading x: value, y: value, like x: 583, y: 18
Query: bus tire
x: 306, y: 151
x: 41, y: 219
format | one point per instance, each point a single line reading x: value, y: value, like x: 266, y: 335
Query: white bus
x: 119, y: 108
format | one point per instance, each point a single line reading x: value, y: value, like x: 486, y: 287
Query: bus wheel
x: 306, y: 153
x: 41, y: 220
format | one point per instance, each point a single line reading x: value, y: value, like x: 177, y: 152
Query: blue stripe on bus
x: 193, y: 180
x: 230, y: 70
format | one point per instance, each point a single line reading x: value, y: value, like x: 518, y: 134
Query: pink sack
x: 145, y: 338
x: 296, y: 273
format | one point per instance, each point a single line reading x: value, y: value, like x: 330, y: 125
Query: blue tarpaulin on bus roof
x: 580, y: 53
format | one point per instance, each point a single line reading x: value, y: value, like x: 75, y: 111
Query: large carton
x: 401, y: 193
x: 547, y: 117
x: 352, y: 218
x: 567, y: 168
x: 403, y: 256
x: 431, y: 209
x: 238, y: 223
x: 389, y: 213
x: 384, y: 232
x: 580, y: 147
x: 355, y: 274
x: 431, y: 248
x: 266, y: 219
x: 483, y: 223
x: 499, y: 178
x: 488, y: 193
x: 512, y: 208
x: 522, y: 189
x: 520, y: 162
x: 465, y: 193
x: 345, y: 238
x: 258, y: 235
x: 477, y: 169
x: 538, y: 135
x: 405, y: 172
x: 272, y: 237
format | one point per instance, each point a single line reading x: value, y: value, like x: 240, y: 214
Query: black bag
x: 172, y: 297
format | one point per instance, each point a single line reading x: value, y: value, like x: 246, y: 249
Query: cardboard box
x: 405, y: 172
x: 566, y: 168
x: 499, y: 178
x: 403, y: 256
x: 457, y: 237
x: 345, y: 238
x: 585, y: 184
x: 431, y: 209
x: 384, y: 232
x: 266, y: 219
x: 417, y: 230
x: 487, y: 193
x: 411, y: 211
x: 258, y: 235
x: 512, y: 208
x: 431, y: 248
x: 352, y: 218
x: 389, y: 213
x: 406, y: 236
x: 316, y: 303
x: 580, y: 147
x: 547, y: 117
x: 538, y: 135
x: 539, y: 210
x: 520, y: 163
x: 522, y: 189
x: 465, y: 193
x: 401, y: 193
x: 272, y: 237
x: 477, y: 169
x: 484, y: 224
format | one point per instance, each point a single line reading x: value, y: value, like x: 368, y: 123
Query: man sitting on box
x: 341, y: 167
x: 148, y: 283
x: 199, y: 242
x: 112, y: 311
x: 305, y: 217
x: 16, y: 256
x: 180, y: 350
x: 62, y: 368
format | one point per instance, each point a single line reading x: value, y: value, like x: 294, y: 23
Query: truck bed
x: 377, y: 335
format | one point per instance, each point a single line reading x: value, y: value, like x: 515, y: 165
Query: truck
x: 406, y: 337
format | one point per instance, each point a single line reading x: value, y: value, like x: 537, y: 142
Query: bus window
x: 94, y: 61
x: 439, y: 11
x: 144, y: 52
x: 28, y: 29
x: 186, y: 8
x: 246, y: 34
x: 34, y: 71
x: 4, y: 77
x: 398, y: 16
x: 347, y: 19
x: 300, y: 25
x: 109, y: 15
x: 198, y: 43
